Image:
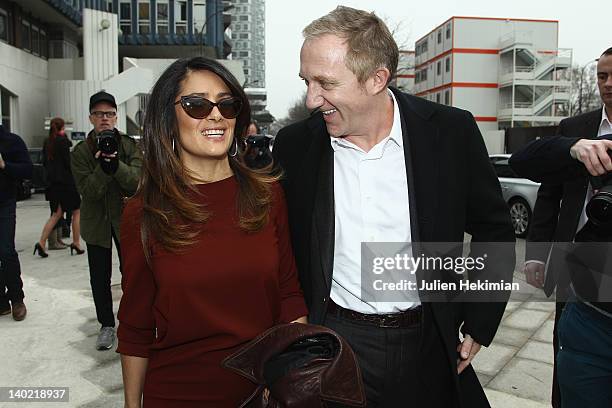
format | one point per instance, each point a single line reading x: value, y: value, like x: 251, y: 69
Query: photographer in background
x: 106, y: 167
x: 573, y: 206
x: 15, y: 165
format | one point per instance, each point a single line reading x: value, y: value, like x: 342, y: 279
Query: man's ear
x: 90, y: 119
x: 378, y: 80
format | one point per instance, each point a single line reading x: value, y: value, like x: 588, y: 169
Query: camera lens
x: 107, y: 143
x: 599, y: 208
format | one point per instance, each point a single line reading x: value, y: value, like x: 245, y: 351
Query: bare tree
x: 584, y: 96
x: 298, y: 111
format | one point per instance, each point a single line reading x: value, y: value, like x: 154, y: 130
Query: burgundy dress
x: 190, y: 310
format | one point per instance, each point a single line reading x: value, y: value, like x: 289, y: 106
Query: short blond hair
x: 370, y: 44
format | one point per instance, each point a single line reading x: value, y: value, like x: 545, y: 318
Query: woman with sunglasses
x: 207, y: 261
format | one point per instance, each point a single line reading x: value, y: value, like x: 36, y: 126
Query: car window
x: 503, y: 169
x: 36, y: 156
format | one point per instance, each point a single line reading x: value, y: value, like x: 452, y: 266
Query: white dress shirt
x: 371, y: 205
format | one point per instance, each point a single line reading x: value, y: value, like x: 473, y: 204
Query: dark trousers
x: 556, y: 393
x: 584, y: 362
x: 393, y: 362
x: 11, y: 286
x: 100, y: 271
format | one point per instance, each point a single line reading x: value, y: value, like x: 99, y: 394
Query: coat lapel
x: 421, y: 136
x: 319, y: 169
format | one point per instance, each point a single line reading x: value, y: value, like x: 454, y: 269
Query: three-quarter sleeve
x: 136, y: 331
x: 292, y: 299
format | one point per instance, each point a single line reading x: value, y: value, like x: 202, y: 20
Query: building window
x: 447, y: 64
x: 439, y: 36
x: 447, y: 97
x: 125, y: 18
x: 162, y: 18
x: 44, y: 45
x: 26, y: 40
x: 5, y: 108
x: 245, y: 36
x: 35, y: 41
x: 143, y: 17
x: 439, y: 68
x: 4, y: 26
x: 448, y: 31
x: 180, y: 11
x: 438, y: 97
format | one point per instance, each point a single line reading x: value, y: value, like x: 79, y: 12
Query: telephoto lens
x: 599, y: 208
x: 107, y: 143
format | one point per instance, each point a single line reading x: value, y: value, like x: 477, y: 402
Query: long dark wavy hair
x: 55, y: 126
x: 170, y: 217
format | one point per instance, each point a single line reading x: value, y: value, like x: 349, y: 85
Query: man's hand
x: 467, y: 350
x: 534, y: 272
x: 2, y: 163
x: 108, y: 162
x: 594, y: 155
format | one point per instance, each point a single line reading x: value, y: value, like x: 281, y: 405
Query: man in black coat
x: 15, y: 165
x: 375, y: 164
x: 563, y: 164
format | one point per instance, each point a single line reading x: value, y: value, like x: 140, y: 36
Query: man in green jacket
x: 104, y: 181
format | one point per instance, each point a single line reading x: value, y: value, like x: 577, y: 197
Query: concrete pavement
x: 54, y: 345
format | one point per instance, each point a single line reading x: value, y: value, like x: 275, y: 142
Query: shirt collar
x: 604, y: 118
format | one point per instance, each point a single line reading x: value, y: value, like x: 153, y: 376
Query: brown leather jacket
x: 302, y: 365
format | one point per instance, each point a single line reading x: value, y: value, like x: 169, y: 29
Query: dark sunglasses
x: 199, y: 107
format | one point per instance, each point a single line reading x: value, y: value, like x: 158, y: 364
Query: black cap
x: 102, y: 97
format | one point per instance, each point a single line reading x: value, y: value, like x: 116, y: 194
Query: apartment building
x: 248, y: 30
x: 507, y: 72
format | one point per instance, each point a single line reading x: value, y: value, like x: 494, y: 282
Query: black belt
x: 407, y: 318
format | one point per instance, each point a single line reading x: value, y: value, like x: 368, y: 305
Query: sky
x: 584, y: 26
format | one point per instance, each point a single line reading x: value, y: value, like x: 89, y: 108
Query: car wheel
x: 520, y: 214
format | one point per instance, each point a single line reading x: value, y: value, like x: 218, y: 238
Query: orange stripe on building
x: 406, y: 76
x: 485, y: 118
x: 458, y: 85
x: 475, y: 51
x: 459, y: 51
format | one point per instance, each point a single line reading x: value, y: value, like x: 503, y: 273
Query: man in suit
x: 562, y: 164
x: 374, y: 164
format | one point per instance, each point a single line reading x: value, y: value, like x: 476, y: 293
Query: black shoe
x: 40, y: 250
x: 5, y: 310
x: 78, y: 250
x: 19, y: 311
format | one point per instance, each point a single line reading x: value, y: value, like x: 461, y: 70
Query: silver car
x: 519, y: 193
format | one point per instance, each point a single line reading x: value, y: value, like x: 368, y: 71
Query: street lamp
x: 580, y: 86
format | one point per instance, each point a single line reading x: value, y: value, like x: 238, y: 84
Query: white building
x: 248, y: 39
x: 34, y: 86
x: 507, y: 72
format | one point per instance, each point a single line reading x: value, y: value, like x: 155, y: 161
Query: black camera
x: 107, y: 142
x: 599, y: 207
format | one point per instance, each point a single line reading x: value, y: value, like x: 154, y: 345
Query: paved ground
x: 54, y: 346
